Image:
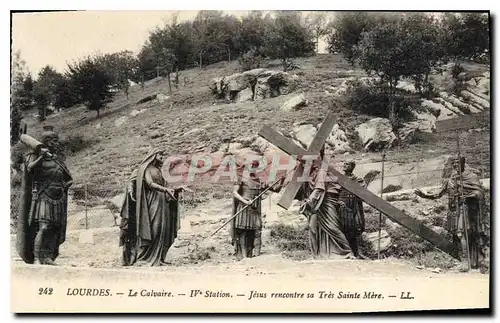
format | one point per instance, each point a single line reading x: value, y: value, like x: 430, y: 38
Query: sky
x: 55, y: 38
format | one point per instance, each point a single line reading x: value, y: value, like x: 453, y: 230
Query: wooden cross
x: 365, y: 195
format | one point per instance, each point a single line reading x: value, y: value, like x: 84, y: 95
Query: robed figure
x: 465, y: 221
x: 321, y: 205
x: 149, y: 215
x: 44, y: 201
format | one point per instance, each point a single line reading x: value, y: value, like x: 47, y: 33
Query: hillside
x: 191, y: 119
x: 119, y: 140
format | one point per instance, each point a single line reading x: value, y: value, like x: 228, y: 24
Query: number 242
x: 45, y: 291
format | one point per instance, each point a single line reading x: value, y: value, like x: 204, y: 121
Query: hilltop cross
x: 365, y: 195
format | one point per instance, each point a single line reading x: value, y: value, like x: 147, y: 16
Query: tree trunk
x: 317, y: 44
x: 98, y: 112
x: 392, y: 116
x: 201, y: 59
x: 169, y: 83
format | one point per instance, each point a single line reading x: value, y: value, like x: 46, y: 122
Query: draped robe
x: 149, y: 224
x: 325, y: 231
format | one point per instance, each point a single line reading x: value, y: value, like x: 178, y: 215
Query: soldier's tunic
x: 352, y: 218
x: 469, y: 206
x: 48, y: 209
x: 248, y: 224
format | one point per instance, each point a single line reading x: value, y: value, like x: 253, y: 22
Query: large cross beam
x: 368, y: 197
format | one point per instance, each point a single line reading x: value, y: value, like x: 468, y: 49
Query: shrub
x: 75, y: 143
x: 290, y: 238
x: 372, y: 99
x: 250, y: 60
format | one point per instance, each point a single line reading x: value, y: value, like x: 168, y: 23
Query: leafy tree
x: 317, y: 22
x: 120, y: 67
x: 466, y: 36
x: 91, y: 83
x: 21, y: 94
x: 346, y: 31
x: 216, y: 36
x: 253, y: 32
x: 288, y: 38
x: 44, y: 90
x: 396, y: 48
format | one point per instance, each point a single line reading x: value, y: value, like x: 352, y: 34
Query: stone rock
x: 255, y: 84
x: 437, y: 109
x: 260, y: 145
x: 338, y: 140
x: 426, y: 122
x: 161, y: 97
x: 408, y: 132
x: 134, y: 113
x: 372, y: 239
x: 376, y: 134
x: 484, y: 85
x: 120, y: 121
x: 391, y: 188
x: 98, y: 126
x: 244, y: 95
x: 294, y: 103
x: 304, y: 134
x: 234, y: 148
x: 407, y: 86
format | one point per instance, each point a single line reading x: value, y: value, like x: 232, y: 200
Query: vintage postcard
x: 250, y: 161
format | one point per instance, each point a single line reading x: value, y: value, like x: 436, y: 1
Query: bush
x: 75, y: 143
x: 250, y: 60
x: 370, y: 98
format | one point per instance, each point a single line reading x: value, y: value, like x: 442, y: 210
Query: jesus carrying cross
x: 322, y: 208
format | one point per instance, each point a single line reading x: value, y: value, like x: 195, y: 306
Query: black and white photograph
x: 215, y: 161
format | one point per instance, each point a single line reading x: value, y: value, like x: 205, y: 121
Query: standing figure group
x: 335, y: 217
x: 150, y: 216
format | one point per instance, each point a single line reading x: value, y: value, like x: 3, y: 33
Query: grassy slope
x: 119, y: 149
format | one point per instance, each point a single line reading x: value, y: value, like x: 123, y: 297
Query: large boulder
x: 304, y: 134
x: 294, y: 103
x: 244, y: 95
x: 338, y: 140
x: 376, y: 134
x: 372, y: 239
x: 255, y: 84
x: 426, y: 122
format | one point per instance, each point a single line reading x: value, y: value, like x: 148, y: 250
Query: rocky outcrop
x: 256, y: 84
x: 376, y: 134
